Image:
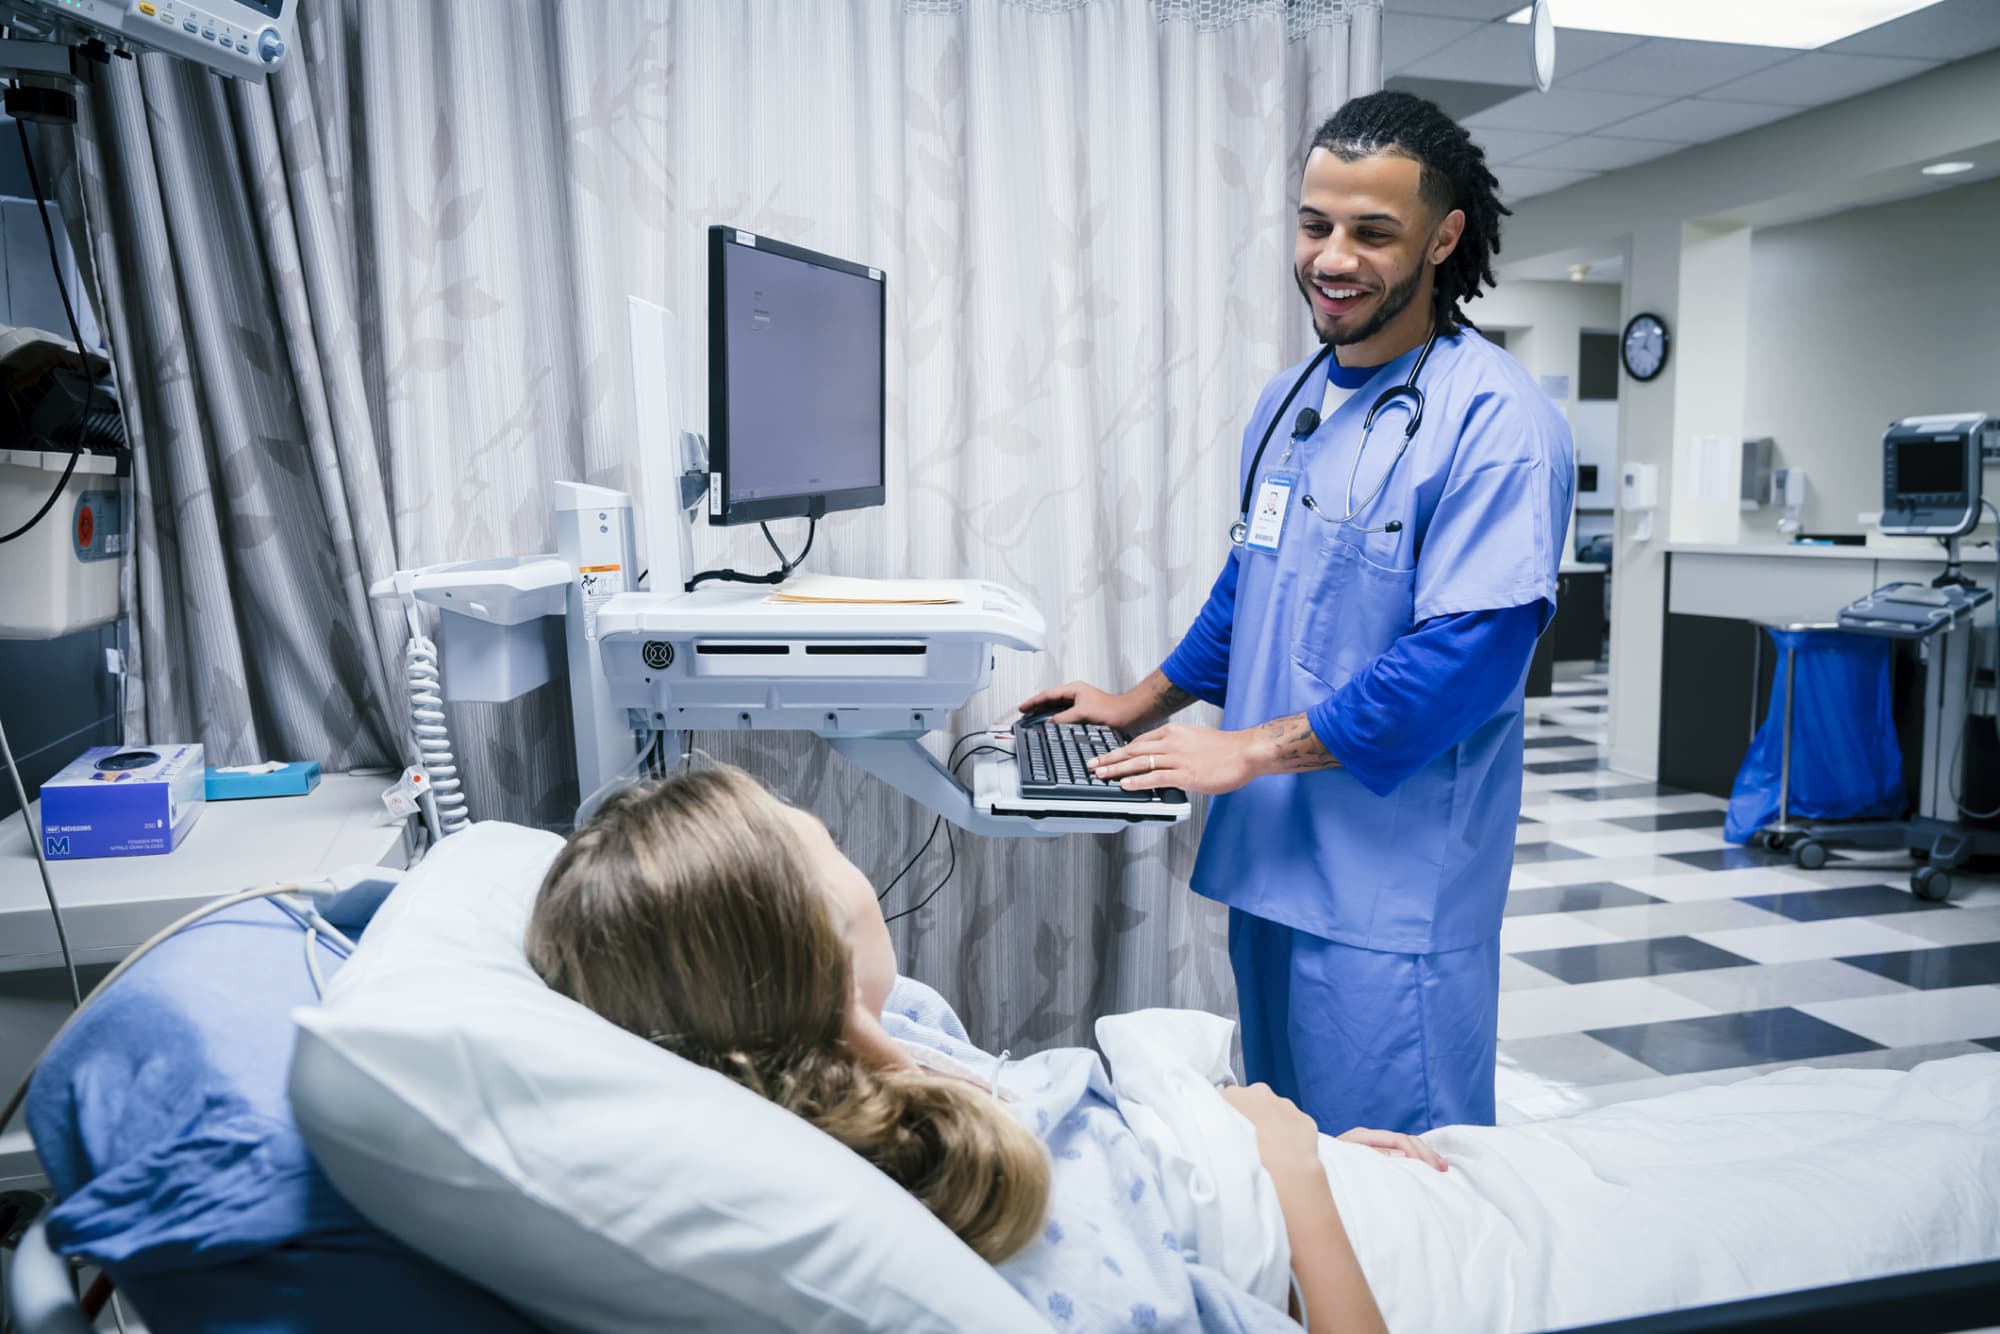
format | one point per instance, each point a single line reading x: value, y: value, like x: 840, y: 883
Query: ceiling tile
x: 1694, y: 120
x: 1499, y: 53
x: 1455, y: 97
x: 1669, y: 67
x: 1507, y: 145
x: 1520, y: 182
x: 1815, y: 78
x: 1952, y: 30
x: 1596, y: 152
x: 1482, y: 10
x: 1407, y: 38
x: 1562, y: 110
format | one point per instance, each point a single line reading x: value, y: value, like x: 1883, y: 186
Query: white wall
x: 1711, y: 343
x: 1862, y: 318
x: 1543, y: 320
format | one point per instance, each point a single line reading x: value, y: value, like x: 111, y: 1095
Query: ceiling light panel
x: 1802, y: 25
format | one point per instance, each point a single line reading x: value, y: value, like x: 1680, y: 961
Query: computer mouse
x: 1044, y: 712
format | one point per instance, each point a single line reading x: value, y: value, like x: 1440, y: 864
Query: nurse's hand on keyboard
x: 1193, y: 759
x: 1081, y: 702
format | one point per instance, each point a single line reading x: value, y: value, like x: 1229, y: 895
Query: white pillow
x: 581, y: 1173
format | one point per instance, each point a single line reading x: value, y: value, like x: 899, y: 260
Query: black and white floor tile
x: 1643, y: 953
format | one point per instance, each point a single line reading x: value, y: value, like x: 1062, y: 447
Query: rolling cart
x: 1938, y: 618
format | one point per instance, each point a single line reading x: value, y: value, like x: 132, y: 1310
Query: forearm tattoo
x: 1296, y: 746
x: 1169, y: 699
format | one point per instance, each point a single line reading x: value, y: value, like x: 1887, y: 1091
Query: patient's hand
x: 1287, y: 1139
x: 1335, y: 1290
x: 1395, y: 1145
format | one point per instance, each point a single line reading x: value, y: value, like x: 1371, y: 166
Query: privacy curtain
x: 365, y: 315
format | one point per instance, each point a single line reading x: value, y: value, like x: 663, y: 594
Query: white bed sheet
x: 1798, y: 1179
x: 1793, y: 1180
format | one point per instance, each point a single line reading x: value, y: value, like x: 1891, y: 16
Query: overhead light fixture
x: 1948, y: 168
x: 1801, y: 25
x: 1578, y: 272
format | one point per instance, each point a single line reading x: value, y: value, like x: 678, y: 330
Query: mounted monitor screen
x: 796, y: 380
x: 1931, y: 467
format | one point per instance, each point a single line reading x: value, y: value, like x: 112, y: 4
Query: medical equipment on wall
x: 1757, y: 479
x: 1408, y: 393
x: 1930, y: 488
x: 65, y: 482
x: 1639, y: 496
x: 52, y: 45
x: 1788, y: 492
x: 646, y: 665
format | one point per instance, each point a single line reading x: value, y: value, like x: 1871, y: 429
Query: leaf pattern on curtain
x: 366, y: 315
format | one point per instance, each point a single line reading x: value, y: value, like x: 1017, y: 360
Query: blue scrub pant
x: 1362, y: 1038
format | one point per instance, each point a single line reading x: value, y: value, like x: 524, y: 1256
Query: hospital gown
x: 1108, y: 1257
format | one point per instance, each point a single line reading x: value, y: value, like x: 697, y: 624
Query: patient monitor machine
x: 796, y: 364
x: 52, y: 45
x: 1930, y: 488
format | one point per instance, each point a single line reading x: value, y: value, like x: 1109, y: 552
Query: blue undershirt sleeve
x: 1199, y: 664
x: 1427, y: 693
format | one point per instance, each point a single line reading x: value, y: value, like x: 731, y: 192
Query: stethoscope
x: 1308, y: 422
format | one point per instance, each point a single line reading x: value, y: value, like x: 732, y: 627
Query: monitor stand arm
x: 904, y: 764
x: 1953, y: 574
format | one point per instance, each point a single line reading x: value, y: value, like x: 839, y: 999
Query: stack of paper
x: 823, y: 588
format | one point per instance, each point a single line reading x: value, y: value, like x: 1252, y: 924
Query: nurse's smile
x: 1337, y: 300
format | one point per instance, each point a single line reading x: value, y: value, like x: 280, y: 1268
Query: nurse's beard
x: 1393, y: 304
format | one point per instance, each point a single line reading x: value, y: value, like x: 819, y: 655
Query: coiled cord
x: 427, y: 728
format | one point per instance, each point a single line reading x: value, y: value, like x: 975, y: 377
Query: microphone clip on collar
x: 1306, y: 423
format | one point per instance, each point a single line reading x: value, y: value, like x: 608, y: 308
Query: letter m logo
x: 58, y: 847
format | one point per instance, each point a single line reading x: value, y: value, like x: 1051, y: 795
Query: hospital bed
x: 193, y: 1044
x: 1937, y: 1302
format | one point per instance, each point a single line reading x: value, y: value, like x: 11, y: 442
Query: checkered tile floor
x: 1642, y: 953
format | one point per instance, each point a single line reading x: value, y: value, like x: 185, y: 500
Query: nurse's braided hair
x: 686, y: 912
x: 1454, y: 175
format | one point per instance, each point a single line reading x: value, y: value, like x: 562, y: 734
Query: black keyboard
x: 1053, y: 759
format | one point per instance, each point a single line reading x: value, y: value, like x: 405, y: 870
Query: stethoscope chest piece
x: 1238, y: 533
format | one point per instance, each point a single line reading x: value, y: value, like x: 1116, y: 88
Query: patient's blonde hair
x: 686, y: 912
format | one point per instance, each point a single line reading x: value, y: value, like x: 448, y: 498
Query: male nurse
x: 1405, y: 496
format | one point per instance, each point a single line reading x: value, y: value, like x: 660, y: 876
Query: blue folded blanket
x: 162, y: 1121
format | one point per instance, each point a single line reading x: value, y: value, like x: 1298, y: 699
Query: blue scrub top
x: 1483, y: 494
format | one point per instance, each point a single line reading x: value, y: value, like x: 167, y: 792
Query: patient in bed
x: 708, y: 917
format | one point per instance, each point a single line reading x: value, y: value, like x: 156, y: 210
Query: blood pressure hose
x: 444, y: 804
x: 432, y: 737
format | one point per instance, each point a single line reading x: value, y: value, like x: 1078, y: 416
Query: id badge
x: 1267, y: 516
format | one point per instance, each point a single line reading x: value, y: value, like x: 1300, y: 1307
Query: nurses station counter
x: 1577, y: 632
x: 1718, y: 664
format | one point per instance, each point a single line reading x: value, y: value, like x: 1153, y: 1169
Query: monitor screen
x: 1931, y: 467
x: 796, y: 380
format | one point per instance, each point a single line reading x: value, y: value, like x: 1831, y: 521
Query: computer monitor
x: 1930, y: 475
x: 796, y: 380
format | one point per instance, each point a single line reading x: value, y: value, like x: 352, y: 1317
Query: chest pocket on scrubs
x: 1355, y: 609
